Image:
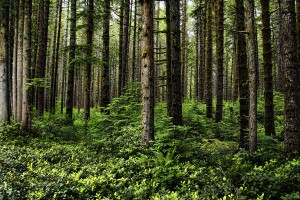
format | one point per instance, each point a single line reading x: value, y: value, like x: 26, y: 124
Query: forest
x: 150, y: 99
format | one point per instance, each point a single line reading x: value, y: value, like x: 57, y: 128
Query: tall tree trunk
x: 184, y: 50
x: 208, y: 80
x: 20, y: 63
x: 72, y: 54
x: 253, y: 66
x: 26, y: 108
x: 197, y: 27
x: 133, y: 71
x: 89, y: 55
x: 298, y: 26
x: 268, y: 79
x: 220, y: 59
x: 56, y: 45
x: 202, y: 36
x: 169, y: 60
x: 15, y: 56
x: 42, y: 53
x: 121, y: 33
x: 280, y: 79
x: 105, y: 90
x: 243, y: 73
x: 147, y: 73
x: 175, y: 60
x: 4, y: 107
x: 292, y: 79
x: 126, y: 42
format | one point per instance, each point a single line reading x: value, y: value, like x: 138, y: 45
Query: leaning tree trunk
x: 292, y: 79
x: 220, y: 59
x: 268, y: 78
x: 243, y: 73
x: 147, y: 71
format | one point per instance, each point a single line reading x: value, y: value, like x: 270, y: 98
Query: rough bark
x: 89, y: 55
x: 184, y: 65
x: 220, y: 59
x: 292, y: 79
x: 147, y: 71
x: 175, y: 60
x: 26, y: 108
x: 208, y: 76
x: 20, y: 63
x: 42, y: 51
x: 253, y: 66
x: 121, y: 33
x: 4, y: 112
x: 202, y: 36
x: 105, y: 90
x: 268, y: 78
x: 133, y: 70
x: 169, y: 62
x: 280, y: 80
x: 70, y: 87
x: 243, y: 73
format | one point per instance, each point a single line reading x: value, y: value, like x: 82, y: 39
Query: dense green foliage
x: 105, y: 159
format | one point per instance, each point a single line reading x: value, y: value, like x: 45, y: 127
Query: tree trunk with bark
x: 105, y: 90
x: 209, y: 61
x: 243, y: 73
x: 220, y: 58
x: 292, y: 79
x: 268, y: 76
x: 253, y: 66
x: 71, y: 69
x: 147, y: 70
x: 89, y: 57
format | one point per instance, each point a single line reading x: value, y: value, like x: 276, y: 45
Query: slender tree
x: 43, y: 15
x: 121, y: 33
x: 243, y: 73
x: 4, y: 107
x: 253, y: 68
x: 105, y: 90
x: 26, y: 65
x: 292, y: 79
x: 169, y: 63
x: 175, y: 62
x: 147, y: 71
x: 208, y: 80
x: 220, y: 58
x: 72, y: 54
x: 268, y: 78
x: 89, y: 54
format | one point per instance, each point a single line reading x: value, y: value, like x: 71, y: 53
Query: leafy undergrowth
x: 105, y: 160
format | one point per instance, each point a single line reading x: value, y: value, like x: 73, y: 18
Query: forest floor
x: 104, y: 159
